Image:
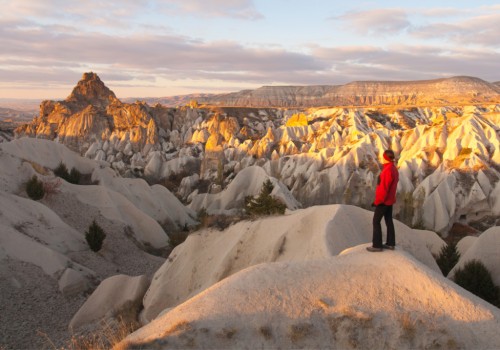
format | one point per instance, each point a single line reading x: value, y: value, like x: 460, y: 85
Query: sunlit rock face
x: 448, y: 156
x: 364, y: 93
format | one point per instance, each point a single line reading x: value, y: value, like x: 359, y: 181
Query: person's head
x: 389, y: 155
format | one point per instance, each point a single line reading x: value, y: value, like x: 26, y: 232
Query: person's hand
x: 373, y: 204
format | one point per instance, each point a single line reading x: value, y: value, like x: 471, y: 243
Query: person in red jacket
x: 385, y: 197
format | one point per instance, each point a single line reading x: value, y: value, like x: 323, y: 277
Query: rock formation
x: 310, y: 234
x: 448, y: 154
x: 346, y: 301
x: 365, y: 93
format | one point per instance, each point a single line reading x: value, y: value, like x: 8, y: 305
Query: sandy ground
x: 30, y: 300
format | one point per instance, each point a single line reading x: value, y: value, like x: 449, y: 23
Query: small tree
x: 74, y: 176
x: 264, y: 204
x: 448, y: 257
x: 220, y: 177
x: 476, y: 278
x: 95, y: 236
x: 61, y: 171
x: 35, y: 189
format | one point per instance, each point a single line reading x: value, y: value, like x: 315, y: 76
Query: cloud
x: 56, y: 54
x: 400, y: 61
x: 240, y: 9
x: 117, y: 12
x: 376, y: 22
x: 477, y: 26
x: 481, y: 30
x: 166, y: 54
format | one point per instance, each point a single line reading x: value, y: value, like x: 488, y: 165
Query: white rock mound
x: 431, y: 240
x: 248, y: 182
x: 156, y: 201
x: 355, y: 300
x: 113, y: 294
x: 487, y: 249
x: 465, y: 243
x: 209, y: 256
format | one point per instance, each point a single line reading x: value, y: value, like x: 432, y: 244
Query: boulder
x: 113, y: 294
x: 465, y: 243
x: 487, y: 249
x: 71, y: 283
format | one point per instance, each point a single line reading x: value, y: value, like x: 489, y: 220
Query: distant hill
x: 169, y: 101
x: 453, y: 90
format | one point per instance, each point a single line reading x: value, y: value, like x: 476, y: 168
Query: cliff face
x: 365, y: 93
x: 447, y: 153
x: 92, y: 113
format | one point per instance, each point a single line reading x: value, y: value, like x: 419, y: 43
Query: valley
x: 151, y: 173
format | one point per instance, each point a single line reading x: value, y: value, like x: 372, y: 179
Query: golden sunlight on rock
x: 297, y: 120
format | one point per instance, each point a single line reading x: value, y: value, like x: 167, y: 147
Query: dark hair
x: 390, y: 154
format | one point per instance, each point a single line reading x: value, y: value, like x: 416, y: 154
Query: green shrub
x: 202, y: 214
x: 177, y: 238
x: 35, y: 189
x: 95, y: 236
x: 264, y: 204
x: 61, y: 171
x: 74, y: 176
x: 476, y: 278
x: 448, y: 257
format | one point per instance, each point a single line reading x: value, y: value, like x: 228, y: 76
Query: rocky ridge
x: 459, y: 89
x: 448, y: 155
x: 169, y: 101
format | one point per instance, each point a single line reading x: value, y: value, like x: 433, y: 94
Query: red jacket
x: 387, y: 185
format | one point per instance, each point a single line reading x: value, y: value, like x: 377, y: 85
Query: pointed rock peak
x: 297, y: 120
x: 269, y: 134
x: 214, y: 142
x: 91, y: 89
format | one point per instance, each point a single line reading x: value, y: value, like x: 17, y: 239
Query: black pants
x: 385, y: 211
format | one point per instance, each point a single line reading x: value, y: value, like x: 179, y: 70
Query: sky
x: 143, y: 48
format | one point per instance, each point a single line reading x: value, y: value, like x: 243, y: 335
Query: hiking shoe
x: 371, y: 249
x: 390, y: 247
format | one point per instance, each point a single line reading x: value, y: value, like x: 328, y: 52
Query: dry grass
x: 52, y: 186
x: 408, y: 325
x: 299, y: 331
x: 334, y: 323
x: 451, y: 343
x: 108, y: 337
x: 38, y: 168
x: 177, y: 327
x: 228, y: 333
x: 265, y: 331
x: 360, y: 319
x: 219, y: 221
